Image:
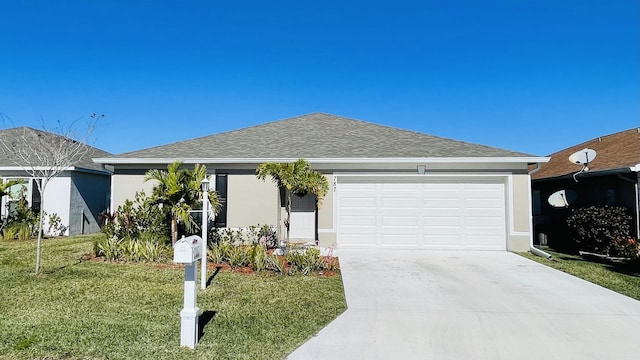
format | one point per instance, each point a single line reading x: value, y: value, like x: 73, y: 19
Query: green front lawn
x: 619, y: 278
x: 95, y: 310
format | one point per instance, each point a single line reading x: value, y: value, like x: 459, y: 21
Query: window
x: 221, y: 189
x: 27, y: 190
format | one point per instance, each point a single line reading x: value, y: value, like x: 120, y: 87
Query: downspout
x: 534, y: 250
x: 538, y: 166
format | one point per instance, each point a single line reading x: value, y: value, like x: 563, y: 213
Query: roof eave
x: 432, y: 160
x: 590, y: 173
x: 43, y: 168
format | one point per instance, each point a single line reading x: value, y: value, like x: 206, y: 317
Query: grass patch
x: 624, y: 279
x: 95, y: 310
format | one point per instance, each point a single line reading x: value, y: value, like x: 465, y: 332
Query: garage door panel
x: 398, y: 186
x: 472, y: 223
x: 443, y: 242
x: 483, y: 204
x: 405, y: 221
x: 429, y: 214
x: 359, y: 202
x: 358, y: 239
x: 474, y: 231
x: 360, y: 220
x: 432, y: 194
x: 358, y: 186
x: 442, y: 211
x: 441, y: 220
x: 442, y: 204
x: 399, y: 239
x: 399, y: 203
x: 436, y: 231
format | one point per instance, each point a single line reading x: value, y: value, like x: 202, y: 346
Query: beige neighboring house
x: 389, y: 188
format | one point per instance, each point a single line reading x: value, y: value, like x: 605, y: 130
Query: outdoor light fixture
x: 205, y: 220
x: 422, y: 169
x: 205, y: 184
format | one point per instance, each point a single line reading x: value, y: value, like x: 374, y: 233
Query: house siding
x: 251, y: 201
x: 89, y: 196
x: 519, y: 226
x: 56, y: 199
x: 125, y: 186
x: 327, y: 233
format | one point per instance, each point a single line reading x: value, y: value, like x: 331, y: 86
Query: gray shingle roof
x: 319, y: 135
x: 15, y: 135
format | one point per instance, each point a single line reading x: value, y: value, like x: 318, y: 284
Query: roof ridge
x: 320, y: 134
x: 636, y: 129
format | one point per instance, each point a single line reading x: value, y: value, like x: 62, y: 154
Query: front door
x: 303, y: 218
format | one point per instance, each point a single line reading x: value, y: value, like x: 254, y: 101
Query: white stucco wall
x: 56, y: 199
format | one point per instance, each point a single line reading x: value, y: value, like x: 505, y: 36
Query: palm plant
x: 180, y: 190
x: 5, y: 188
x: 295, y: 178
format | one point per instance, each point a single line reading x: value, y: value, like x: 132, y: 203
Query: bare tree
x: 44, y: 155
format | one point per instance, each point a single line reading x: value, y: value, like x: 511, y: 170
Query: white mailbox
x: 187, y: 250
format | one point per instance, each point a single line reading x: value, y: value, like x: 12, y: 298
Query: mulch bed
x: 212, y: 267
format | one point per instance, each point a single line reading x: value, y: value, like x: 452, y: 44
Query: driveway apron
x: 405, y: 304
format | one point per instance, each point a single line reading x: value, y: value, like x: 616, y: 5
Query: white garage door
x: 421, y: 213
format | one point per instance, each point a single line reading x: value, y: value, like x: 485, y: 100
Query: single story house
x: 612, y: 179
x: 77, y: 195
x: 388, y: 187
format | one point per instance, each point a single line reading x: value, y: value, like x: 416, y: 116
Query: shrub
x: 136, y: 217
x: 239, y: 256
x: 258, y: 257
x: 275, y: 263
x: 601, y: 230
x: 255, y: 234
x: 225, y: 235
x: 9, y: 233
x: 56, y: 227
x: 24, y: 232
x: 268, y: 236
x: 626, y: 247
x: 22, y: 218
x: 145, y: 249
x: 304, y: 261
x: 215, y: 254
x: 330, y: 263
x: 108, y: 247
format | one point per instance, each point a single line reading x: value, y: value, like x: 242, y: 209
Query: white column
x: 203, y: 261
x: 190, y: 313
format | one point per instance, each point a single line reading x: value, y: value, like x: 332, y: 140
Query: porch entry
x: 303, y: 218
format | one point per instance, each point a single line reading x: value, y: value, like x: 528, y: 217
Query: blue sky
x: 534, y: 76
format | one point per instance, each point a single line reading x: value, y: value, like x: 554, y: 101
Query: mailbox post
x: 188, y: 251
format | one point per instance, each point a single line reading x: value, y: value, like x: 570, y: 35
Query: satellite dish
x: 562, y: 198
x: 583, y: 157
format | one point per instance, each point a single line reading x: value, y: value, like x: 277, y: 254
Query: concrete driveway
x: 472, y: 305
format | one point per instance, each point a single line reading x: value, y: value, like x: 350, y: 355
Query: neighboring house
x: 612, y: 179
x: 77, y: 195
x: 388, y: 187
